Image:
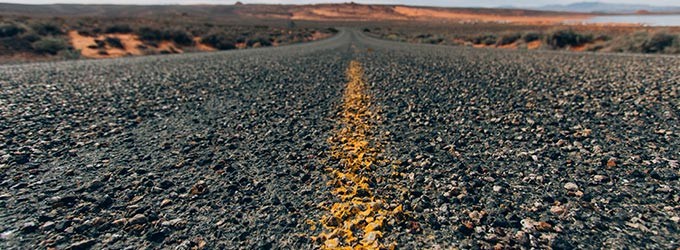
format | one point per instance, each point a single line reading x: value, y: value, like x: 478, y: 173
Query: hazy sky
x: 464, y: 3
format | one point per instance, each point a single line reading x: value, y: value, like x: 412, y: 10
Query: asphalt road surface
x: 349, y: 141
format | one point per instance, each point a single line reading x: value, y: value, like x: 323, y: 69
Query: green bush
x: 658, y: 42
x: 241, y: 39
x: 118, y: 28
x: 10, y: 45
x: 180, y: 37
x: 219, y: 41
x: 602, y: 37
x: 508, y: 38
x: 433, y: 40
x: 30, y: 36
x: 568, y: 37
x: 487, y: 39
x: 643, y: 42
x: 150, y: 34
x: 49, y: 45
x: 114, y: 42
x: 47, y: 29
x: 70, y: 54
x: 531, y: 36
x: 674, y: 48
x: 10, y: 30
x: 264, y: 42
x: 85, y: 32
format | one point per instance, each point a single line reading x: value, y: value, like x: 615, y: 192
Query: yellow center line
x: 357, y: 219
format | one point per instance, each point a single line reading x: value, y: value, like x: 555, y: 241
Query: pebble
x: 570, y: 186
x: 186, y: 245
x: 82, y: 245
x: 120, y: 222
x: 176, y: 223
x: 199, y: 188
x: 165, y: 202
x: 599, y: 178
x: 110, y: 238
x: 29, y: 227
x: 611, y: 163
x: 557, y: 210
x: 47, y: 226
x: 476, y: 216
x: 543, y: 226
x: 6, y: 235
x: 137, y: 219
x: 65, y: 201
x: 521, y: 237
x: 664, y: 189
x: 4, y: 196
x: 528, y: 224
x: 466, y: 228
x: 370, y: 237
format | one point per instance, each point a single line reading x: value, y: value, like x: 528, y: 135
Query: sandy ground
x: 580, y: 48
x: 169, y: 46
x: 130, y: 42
x: 420, y: 13
x: 368, y: 12
x: 534, y: 44
x: 512, y: 45
x: 202, y: 47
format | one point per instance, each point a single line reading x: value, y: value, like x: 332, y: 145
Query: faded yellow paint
x: 357, y: 219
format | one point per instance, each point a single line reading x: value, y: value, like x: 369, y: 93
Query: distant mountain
x: 590, y: 7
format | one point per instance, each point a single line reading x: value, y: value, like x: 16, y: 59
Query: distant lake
x: 651, y: 20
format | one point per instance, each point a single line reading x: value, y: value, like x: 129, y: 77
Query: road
x: 349, y: 141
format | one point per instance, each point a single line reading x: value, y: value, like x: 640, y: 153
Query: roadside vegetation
x: 31, y: 39
x: 574, y: 38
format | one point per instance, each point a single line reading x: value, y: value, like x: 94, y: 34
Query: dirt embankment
x: 119, y: 45
x: 429, y: 14
x: 358, y: 12
x: 40, y: 39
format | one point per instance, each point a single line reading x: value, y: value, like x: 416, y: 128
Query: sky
x: 447, y: 3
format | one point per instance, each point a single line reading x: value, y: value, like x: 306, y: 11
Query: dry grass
x: 635, y: 39
x: 40, y: 38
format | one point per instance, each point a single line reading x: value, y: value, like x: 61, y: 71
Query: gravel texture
x: 168, y: 152
x: 510, y: 149
x: 495, y: 148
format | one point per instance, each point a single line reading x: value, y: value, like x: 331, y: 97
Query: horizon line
x: 525, y: 7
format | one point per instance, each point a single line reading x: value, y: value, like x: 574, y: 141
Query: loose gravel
x: 203, y: 150
x: 494, y: 148
x: 511, y: 149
